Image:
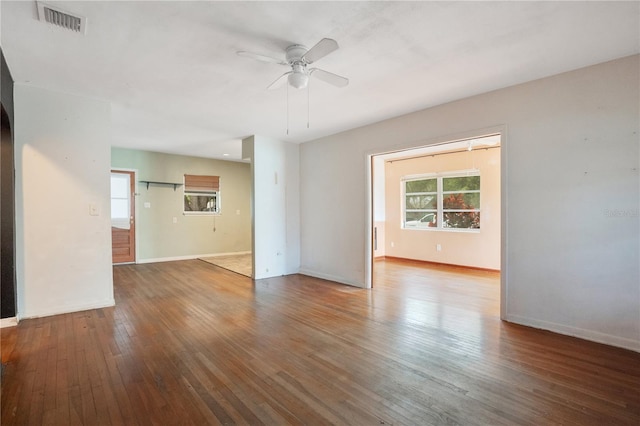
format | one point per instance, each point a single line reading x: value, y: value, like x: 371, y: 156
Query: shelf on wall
x: 155, y: 182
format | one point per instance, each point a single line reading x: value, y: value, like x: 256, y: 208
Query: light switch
x: 175, y: 220
x: 147, y: 205
x: 237, y: 211
x: 93, y: 209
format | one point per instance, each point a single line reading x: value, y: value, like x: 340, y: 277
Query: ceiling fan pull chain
x: 287, y: 109
x: 308, y: 102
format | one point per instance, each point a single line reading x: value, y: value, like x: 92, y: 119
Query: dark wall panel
x: 7, y: 197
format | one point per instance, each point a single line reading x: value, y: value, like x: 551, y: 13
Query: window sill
x: 202, y: 214
x: 456, y: 230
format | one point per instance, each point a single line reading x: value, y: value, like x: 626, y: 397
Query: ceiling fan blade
x: 329, y: 77
x: 279, y: 81
x: 262, y: 58
x: 320, y: 50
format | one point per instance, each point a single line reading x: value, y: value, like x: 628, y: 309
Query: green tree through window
x: 442, y: 202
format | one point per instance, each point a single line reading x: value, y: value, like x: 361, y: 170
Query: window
x: 121, y: 200
x: 421, y: 203
x: 449, y: 201
x: 201, y: 194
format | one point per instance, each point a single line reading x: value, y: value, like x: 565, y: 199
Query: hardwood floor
x: 189, y: 343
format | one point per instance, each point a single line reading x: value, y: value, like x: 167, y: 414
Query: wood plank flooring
x: 189, y: 343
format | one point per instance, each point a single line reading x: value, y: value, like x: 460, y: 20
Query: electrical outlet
x: 438, y: 247
x: 393, y: 244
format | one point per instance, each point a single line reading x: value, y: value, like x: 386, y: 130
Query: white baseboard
x: 594, y: 336
x: 329, y: 277
x: 189, y: 257
x: 8, y: 322
x: 58, y: 310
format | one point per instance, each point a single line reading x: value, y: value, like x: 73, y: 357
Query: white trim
x: 69, y: 309
x: 369, y: 222
x: 504, y: 217
x: 8, y: 322
x: 189, y: 257
x: 594, y: 336
x: 447, y: 174
x: 329, y: 277
x: 201, y: 213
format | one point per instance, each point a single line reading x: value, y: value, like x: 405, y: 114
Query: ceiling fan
x: 298, y: 57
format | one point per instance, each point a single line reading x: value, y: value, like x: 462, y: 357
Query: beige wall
x: 158, y: 237
x: 379, y: 249
x: 478, y: 249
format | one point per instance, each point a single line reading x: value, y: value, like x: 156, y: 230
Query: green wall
x: 158, y: 237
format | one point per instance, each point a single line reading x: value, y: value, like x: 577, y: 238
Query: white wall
x: 63, y: 254
x: 158, y: 236
x: 275, y: 205
x: 292, y: 207
x: 570, y: 155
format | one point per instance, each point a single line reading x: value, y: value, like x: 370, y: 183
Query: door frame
x: 134, y: 196
x: 504, y: 253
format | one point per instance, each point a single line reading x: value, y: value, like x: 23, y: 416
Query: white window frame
x: 217, y: 211
x: 440, y: 200
x: 213, y: 193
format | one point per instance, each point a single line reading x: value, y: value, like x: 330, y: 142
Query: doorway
x: 439, y: 204
x: 123, y: 224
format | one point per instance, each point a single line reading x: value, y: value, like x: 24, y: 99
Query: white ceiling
x: 176, y: 85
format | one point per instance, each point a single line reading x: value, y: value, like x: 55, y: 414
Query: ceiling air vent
x: 56, y: 16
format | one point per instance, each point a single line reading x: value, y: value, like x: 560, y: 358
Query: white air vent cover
x: 56, y: 16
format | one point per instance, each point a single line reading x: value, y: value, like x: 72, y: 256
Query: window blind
x: 201, y: 183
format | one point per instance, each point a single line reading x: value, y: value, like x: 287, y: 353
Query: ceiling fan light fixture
x: 299, y: 80
x: 298, y: 57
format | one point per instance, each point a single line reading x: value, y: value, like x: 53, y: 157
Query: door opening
x: 439, y: 204
x: 123, y: 226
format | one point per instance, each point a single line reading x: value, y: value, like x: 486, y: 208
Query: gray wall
x: 158, y: 237
x: 571, y: 226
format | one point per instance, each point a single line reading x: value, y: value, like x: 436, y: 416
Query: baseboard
x: 329, y: 277
x: 8, y: 322
x: 68, y: 309
x: 429, y: 262
x: 594, y: 336
x: 189, y: 257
